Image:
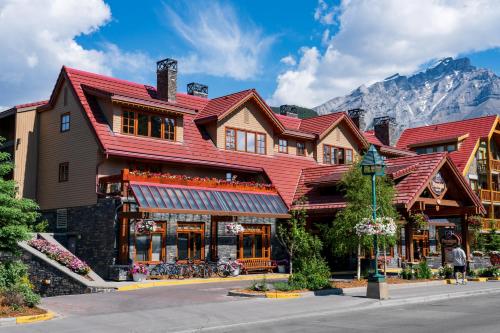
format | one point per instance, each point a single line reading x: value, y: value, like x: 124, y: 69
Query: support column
x: 465, y: 237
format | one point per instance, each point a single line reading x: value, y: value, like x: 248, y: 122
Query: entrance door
x: 420, y: 245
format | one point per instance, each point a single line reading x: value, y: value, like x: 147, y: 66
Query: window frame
x: 280, y: 146
x: 331, y: 150
x: 246, y: 132
x: 255, y: 229
x: 301, y: 151
x: 126, y: 123
x: 62, y: 123
x: 63, y: 172
x: 181, y: 228
x: 162, y: 231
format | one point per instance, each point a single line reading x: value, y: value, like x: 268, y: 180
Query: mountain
x: 451, y: 89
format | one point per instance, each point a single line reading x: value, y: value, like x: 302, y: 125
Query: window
x: 149, y: 246
x: 65, y: 118
x: 63, y: 172
x: 190, y: 241
x: 301, y: 148
x: 451, y: 148
x: 247, y: 141
x: 283, y: 146
x: 254, y: 241
x: 230, y: 140
x: 128, y: 122
x: 261, y: 144
x: 229, y: 177
x: 154, y: 126
x: 436, y: 149
x: 337, y: 155
x: 241, y: 140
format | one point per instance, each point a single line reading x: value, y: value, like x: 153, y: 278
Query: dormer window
x: 337, y: 155
x: 155, y: 126
x: 301, y: 148
x: 247, y: 141
x: 283, y: 146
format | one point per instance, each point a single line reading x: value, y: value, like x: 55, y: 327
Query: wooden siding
x: 341, y: 137
x: 25, y: 156
x: 77, y: 146
x: 250, y: 118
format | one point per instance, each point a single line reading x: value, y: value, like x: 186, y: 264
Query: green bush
x: 15, y: 288
x: 282, y: 286
x: 406, y: 273
x: 313, y: 274
x: 423, y: 271
x: 489, y: 272
x: 445, y: 272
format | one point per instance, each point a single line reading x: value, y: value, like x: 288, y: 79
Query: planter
x: 236, y: 272
x: 138, y: 277
x: 281, y: 269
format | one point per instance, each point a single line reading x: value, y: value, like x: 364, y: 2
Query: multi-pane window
x: 247, y: 141
x: 149, y: 246
x: 261, y: 144
x: 337, y: 155
x: 301, y: 148
x: 254, y: 241
x: 230, y: 139
x: 190, y: 241
x: 65, y: 119
x: 283, y: 145
x: 437, y: 149
x: 155, y: 126
x: 63, y: 172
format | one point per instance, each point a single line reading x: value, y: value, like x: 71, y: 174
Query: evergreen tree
x: 17, y: 215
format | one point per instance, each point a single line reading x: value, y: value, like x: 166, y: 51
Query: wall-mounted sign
x: 438, y: 185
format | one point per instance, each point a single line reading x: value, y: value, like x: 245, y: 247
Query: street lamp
x: 373, y: 165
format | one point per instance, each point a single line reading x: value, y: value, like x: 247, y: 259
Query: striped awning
x: 152, y: 197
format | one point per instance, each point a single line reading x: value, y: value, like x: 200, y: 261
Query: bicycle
x: 229, y: 267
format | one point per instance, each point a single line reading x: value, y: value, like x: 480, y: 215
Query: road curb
x: 348, y: 291
x: 11, y: 321
x: 166, y: 283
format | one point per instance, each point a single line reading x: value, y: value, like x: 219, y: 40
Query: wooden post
x: 490, y: 179
x: 465, y: 237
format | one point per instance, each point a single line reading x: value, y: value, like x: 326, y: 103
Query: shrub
x: 259, y: 285
x: 489, y: 272
x: 406, y: 273
x: 313, y: 274
x: 445, y: 272
x: 282, y: 286
x: 423, y: 271
x: 15, y: 288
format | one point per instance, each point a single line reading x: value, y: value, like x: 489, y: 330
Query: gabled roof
x: 413, y: 174
x: 469, y: 130
x: 195, y: 149
x: 385, y: 150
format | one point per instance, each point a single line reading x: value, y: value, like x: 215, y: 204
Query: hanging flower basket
x: 234, y: 228
x: 421, y: 221
x: 474, y: 222
x: 144, y: 226
x: 384, y: 226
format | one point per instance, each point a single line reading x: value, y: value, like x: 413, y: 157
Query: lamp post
x: 373, y: 165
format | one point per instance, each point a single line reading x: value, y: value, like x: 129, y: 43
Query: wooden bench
x: 251, y: 265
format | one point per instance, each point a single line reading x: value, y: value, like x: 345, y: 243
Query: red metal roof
x: 414, y: 173
x: 476, y: 129
x: 384, y: 149
x: 39, y: 103
x: 194, y: 149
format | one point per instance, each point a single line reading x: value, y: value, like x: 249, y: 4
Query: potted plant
x: 282, y: 265
x: 138, y: 272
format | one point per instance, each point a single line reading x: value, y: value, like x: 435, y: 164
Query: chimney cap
x: 356, y: 112
x: 197, y: 89
x: 166, y: 64
x: 384, y: 120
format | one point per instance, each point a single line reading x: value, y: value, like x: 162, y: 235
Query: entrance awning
x: 162, y: 198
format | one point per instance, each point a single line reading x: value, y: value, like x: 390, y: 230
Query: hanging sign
x: 438, y: 185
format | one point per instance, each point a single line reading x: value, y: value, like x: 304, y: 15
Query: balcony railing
x: 487, y: 195
x: 495, y: 165
x: 482, y: 165
x: 487, y: 224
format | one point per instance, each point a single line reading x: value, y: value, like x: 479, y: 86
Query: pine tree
x: 17, y: 215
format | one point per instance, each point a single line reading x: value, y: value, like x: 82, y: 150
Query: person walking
x: 459, y: 262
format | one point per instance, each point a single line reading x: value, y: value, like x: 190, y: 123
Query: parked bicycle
x: 229, y: 267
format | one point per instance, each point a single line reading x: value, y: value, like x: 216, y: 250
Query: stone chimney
x: 385, y: 129
x: 166, y: 79
x: 358, y: 117
x: 289, y: 110
x: 197, y: 89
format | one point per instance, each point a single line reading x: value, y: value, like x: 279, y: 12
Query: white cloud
x: 380, y: 37
x: 38, y: 37
x: 289, y: 60
x: 222, y: 44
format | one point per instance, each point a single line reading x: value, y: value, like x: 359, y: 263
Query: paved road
x: 205, y: 306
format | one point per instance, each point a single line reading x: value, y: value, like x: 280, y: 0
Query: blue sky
x: 301, y: 52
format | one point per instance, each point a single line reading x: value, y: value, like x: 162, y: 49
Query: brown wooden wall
x: 25, y: 156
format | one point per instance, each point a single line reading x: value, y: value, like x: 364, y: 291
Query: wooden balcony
x: 488, y: 223
x: 482, y: 166
x: 487, y: 195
